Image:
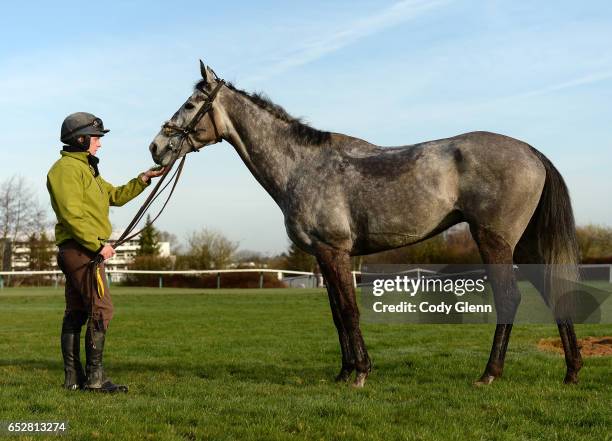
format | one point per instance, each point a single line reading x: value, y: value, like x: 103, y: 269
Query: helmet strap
x: 80, y: 142
x: 85, y: 143
x: 78, y: 146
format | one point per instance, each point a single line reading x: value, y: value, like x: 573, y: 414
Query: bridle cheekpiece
x: 183, y: 133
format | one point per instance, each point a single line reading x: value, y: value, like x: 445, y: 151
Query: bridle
x: 182, y: 133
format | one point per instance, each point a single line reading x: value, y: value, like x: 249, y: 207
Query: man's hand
x: 147, y: 175
x: 107, y: 252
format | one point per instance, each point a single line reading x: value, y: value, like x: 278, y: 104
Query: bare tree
x: 175, y: 246
x: 208, y: 249
x: 594, y: 241
x: 248, y: 258
x: 20, y: 213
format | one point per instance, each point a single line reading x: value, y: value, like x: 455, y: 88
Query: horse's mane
x: 299, y: 129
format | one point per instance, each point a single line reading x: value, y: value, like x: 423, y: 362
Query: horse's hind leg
x: 497, y: 254
x: 527, y: 253
x: 348, y: 358
x: 573, y: 359
x: 336, y: 268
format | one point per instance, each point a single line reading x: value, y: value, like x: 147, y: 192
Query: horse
x: 342, y: 196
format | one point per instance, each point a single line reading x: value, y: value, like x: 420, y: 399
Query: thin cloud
x: 584, y: 80
x: 470, y: 108
x: 310, y: 51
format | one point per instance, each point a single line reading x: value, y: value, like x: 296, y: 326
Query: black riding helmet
x: 81, y: 124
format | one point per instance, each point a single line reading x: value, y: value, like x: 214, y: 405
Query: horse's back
x: 377, y: 198
x: 412, y: 192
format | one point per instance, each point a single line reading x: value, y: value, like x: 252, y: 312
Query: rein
x: 183, y: 133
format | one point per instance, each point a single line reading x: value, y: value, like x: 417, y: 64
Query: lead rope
x: 127, y: 234
x: 96, y: 281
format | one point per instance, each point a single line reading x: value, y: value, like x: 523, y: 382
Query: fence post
x: 161, y: 281
x: 218, y: 280
x: 109, y: 279
x: 261, y: 279
x: 55, y: 281
x: 1, y: 282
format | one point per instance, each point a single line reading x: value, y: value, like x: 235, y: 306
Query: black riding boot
x: 96, y: 378
x: 74, y: 377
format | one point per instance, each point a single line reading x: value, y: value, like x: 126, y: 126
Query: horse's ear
x: 202, y: 69
x: 211, y: 76
x: 207, y: 73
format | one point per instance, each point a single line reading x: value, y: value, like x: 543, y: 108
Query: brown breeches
x: 74, y: 261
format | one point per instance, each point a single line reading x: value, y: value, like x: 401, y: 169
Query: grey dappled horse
x: 342, y: 196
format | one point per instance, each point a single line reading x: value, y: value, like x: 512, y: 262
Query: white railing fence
x: 300, y: 279
x: 307, y: 279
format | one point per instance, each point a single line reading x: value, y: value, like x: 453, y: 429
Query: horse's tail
x: 553, y: 228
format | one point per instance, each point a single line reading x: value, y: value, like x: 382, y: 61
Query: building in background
x: 126, y: 252
x: 18, y: 254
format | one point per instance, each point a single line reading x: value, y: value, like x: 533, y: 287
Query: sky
x: 393, y: 73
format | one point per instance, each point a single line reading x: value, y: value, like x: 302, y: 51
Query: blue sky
x: 393, y: 73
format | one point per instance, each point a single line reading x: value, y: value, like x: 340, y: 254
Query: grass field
x: 259, y: 364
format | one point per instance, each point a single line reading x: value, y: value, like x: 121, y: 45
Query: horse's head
x: 194, y: 125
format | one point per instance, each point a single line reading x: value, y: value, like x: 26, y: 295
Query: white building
x: 19, y: 252
x: 126, y: 252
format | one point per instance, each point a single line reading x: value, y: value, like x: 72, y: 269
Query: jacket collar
x: 85, y: 157
x: 81, y: 156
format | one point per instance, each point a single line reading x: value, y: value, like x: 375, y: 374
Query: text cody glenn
x: 446, y: 308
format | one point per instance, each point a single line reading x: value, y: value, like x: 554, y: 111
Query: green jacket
x: 81, y: 201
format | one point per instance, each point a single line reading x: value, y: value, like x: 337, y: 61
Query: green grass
x: 259, y: 364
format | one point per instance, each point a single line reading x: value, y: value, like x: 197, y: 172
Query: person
x: 80, y: 199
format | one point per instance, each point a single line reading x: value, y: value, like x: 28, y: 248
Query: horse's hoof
x: 485, y: 380
x: 360, y: 380
x: 343, y: 376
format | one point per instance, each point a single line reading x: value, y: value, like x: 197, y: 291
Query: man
x: 81, y: 200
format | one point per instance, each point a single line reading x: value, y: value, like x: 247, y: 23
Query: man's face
x: 94, y: 145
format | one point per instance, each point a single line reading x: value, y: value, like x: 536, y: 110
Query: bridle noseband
x: 183, y: 132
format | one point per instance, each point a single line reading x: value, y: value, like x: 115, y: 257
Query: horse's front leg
x: 336, y: 268
x: 348, y: 358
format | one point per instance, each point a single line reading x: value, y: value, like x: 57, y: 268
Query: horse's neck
x: 258, y: 138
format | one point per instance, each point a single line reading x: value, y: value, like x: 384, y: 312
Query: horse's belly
x: 393, y: 227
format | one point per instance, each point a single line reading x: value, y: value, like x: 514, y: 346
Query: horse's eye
x: 189, y: 106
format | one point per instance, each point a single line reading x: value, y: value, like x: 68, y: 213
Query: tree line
x: 23, y: 218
